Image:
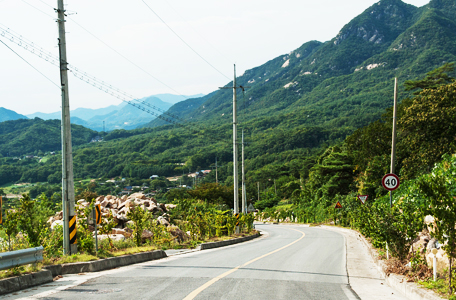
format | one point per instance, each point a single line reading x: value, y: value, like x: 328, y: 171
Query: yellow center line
x: 195, y: 293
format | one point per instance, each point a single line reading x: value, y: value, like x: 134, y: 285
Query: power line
x: 169, y: 27
x: 124, y: 57
x: 30, y: 65
x: 201, y: 36
x: 39, y: 9
x: 95, y: 82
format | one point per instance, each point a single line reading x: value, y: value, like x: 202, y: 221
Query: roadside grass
x: 103, y: 253
x: 440, y: 286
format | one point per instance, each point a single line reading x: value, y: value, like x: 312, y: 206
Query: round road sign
x: 390, y: 182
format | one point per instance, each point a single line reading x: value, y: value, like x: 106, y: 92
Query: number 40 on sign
x: 390, y: 182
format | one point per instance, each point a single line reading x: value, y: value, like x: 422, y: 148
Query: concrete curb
x: 212, y: 245
x: 105, y: 264
x: 408, y: 289
x: 14, y: 284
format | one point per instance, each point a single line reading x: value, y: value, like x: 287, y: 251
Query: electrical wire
x: 30, y: 64
x: 39, y: 9
x: 95, y: 82
x: 200, y: 35
x: 124, y: 57
x: 190, y: 47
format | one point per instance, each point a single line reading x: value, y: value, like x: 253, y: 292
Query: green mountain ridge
x: 351, y: 74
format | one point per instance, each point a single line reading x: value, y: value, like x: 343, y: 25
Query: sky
x: 145, y: 47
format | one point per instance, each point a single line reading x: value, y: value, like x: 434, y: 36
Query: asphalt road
x: 290, y: 262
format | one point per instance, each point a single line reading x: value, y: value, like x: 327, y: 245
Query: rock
x: 114, y: 205
x: 431, y: 244
x: 99, y: 199
x: 129, y: 204
x: 130, y: 223
x: 163, y: 207
x: 80, y: 201
x: 179, y: 234
x: 442, y: 261
x: 122, y: 232
x: 121, y: 218
x: 170, y: 206
x: 152, y: 208
x: 162, y: 221
x: 430, y: 222
x: 146, y: 234
x: 138, y: 195
x: 166, y: 216
x: 120, y: 206
x: 51, y: 220
x: 124, y: 197
x: 108, y: 197
x: 114, y: 237
x: 56, y: 223
x: 123, y: 211
x: 59, y: 215
x: 104, y: 203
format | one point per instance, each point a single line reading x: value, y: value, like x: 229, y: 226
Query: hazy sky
x: 248, y: 33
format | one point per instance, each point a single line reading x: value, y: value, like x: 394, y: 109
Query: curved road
x: 288, y: 262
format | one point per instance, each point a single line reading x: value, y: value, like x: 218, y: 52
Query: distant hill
x: 122, y: 116
x: 32, y: 136
x: 8, y: 115
x: 173, y: 99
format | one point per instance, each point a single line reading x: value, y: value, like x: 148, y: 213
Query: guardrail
x: 20, y: 257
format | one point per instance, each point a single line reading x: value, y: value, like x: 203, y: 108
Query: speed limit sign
x: 390, y: 182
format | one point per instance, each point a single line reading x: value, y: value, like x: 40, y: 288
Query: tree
x: 428, y: 127
x: 433, y: 79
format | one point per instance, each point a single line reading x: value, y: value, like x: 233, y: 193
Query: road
x: 289, y: 262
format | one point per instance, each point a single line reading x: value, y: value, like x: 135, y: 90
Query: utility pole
x: 69, y: 218
x: 258, y: 190
x: 216, y: 174
x: 243, y: 177
x: 393, y: 142
x: 235, y: 146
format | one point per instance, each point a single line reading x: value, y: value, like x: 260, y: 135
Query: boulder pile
x: 119, y: 207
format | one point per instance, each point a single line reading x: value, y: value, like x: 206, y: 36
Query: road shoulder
x: 366, y: 274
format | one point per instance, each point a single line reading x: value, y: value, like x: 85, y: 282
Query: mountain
x: 173, y: 99
x: 122, y: 116
x: 7, y: 115
x: 346, y: 81
x: 33, y: 136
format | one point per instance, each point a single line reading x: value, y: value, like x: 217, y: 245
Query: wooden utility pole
x: 69, y: 218
x: 393, y: 142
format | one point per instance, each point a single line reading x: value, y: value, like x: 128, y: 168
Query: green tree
x: 433, y: 79
x: 429, y: 129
